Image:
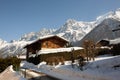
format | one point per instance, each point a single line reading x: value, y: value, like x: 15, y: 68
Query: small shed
x: 103, y: 42
x: 113, y: 45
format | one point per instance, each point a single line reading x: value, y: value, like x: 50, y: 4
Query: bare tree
x: 89, y: 49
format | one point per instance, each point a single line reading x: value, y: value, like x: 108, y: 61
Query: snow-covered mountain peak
x: 28, y: 37
x: 111, y: 14
x: 117, y: 12
x: 2, y: 42
x: 68, y: 25
x: 70, y: 21
x: 74, y: 25
x: 35, y: 35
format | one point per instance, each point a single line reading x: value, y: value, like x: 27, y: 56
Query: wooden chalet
x: 113, y: 45
x: 47, y: 42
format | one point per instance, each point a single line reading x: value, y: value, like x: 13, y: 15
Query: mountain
x: 104, y: 30
x: 2, y: 43
x: 13, y: 48
x: 74, y: 31
x: 35, y: 35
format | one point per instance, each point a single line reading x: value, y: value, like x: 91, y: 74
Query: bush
x: 4, y: 63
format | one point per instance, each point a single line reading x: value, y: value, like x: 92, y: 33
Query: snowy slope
x: 103, y: 68
x: 10, y: 74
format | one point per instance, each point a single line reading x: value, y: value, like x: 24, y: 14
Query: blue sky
x: 18, y: 17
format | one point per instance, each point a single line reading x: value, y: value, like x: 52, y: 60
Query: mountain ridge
x: 102, y: 31
x: 75, y: 30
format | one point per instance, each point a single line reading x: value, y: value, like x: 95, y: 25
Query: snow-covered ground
x: 103, y: 68
x: 10, y: 74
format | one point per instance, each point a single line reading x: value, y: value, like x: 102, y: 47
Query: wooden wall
x: 52, y: 43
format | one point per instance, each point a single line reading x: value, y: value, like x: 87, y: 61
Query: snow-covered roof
x: 48, y: 51
x: 59, y: 50
x: 115, y: 41
x: 48, y: 36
